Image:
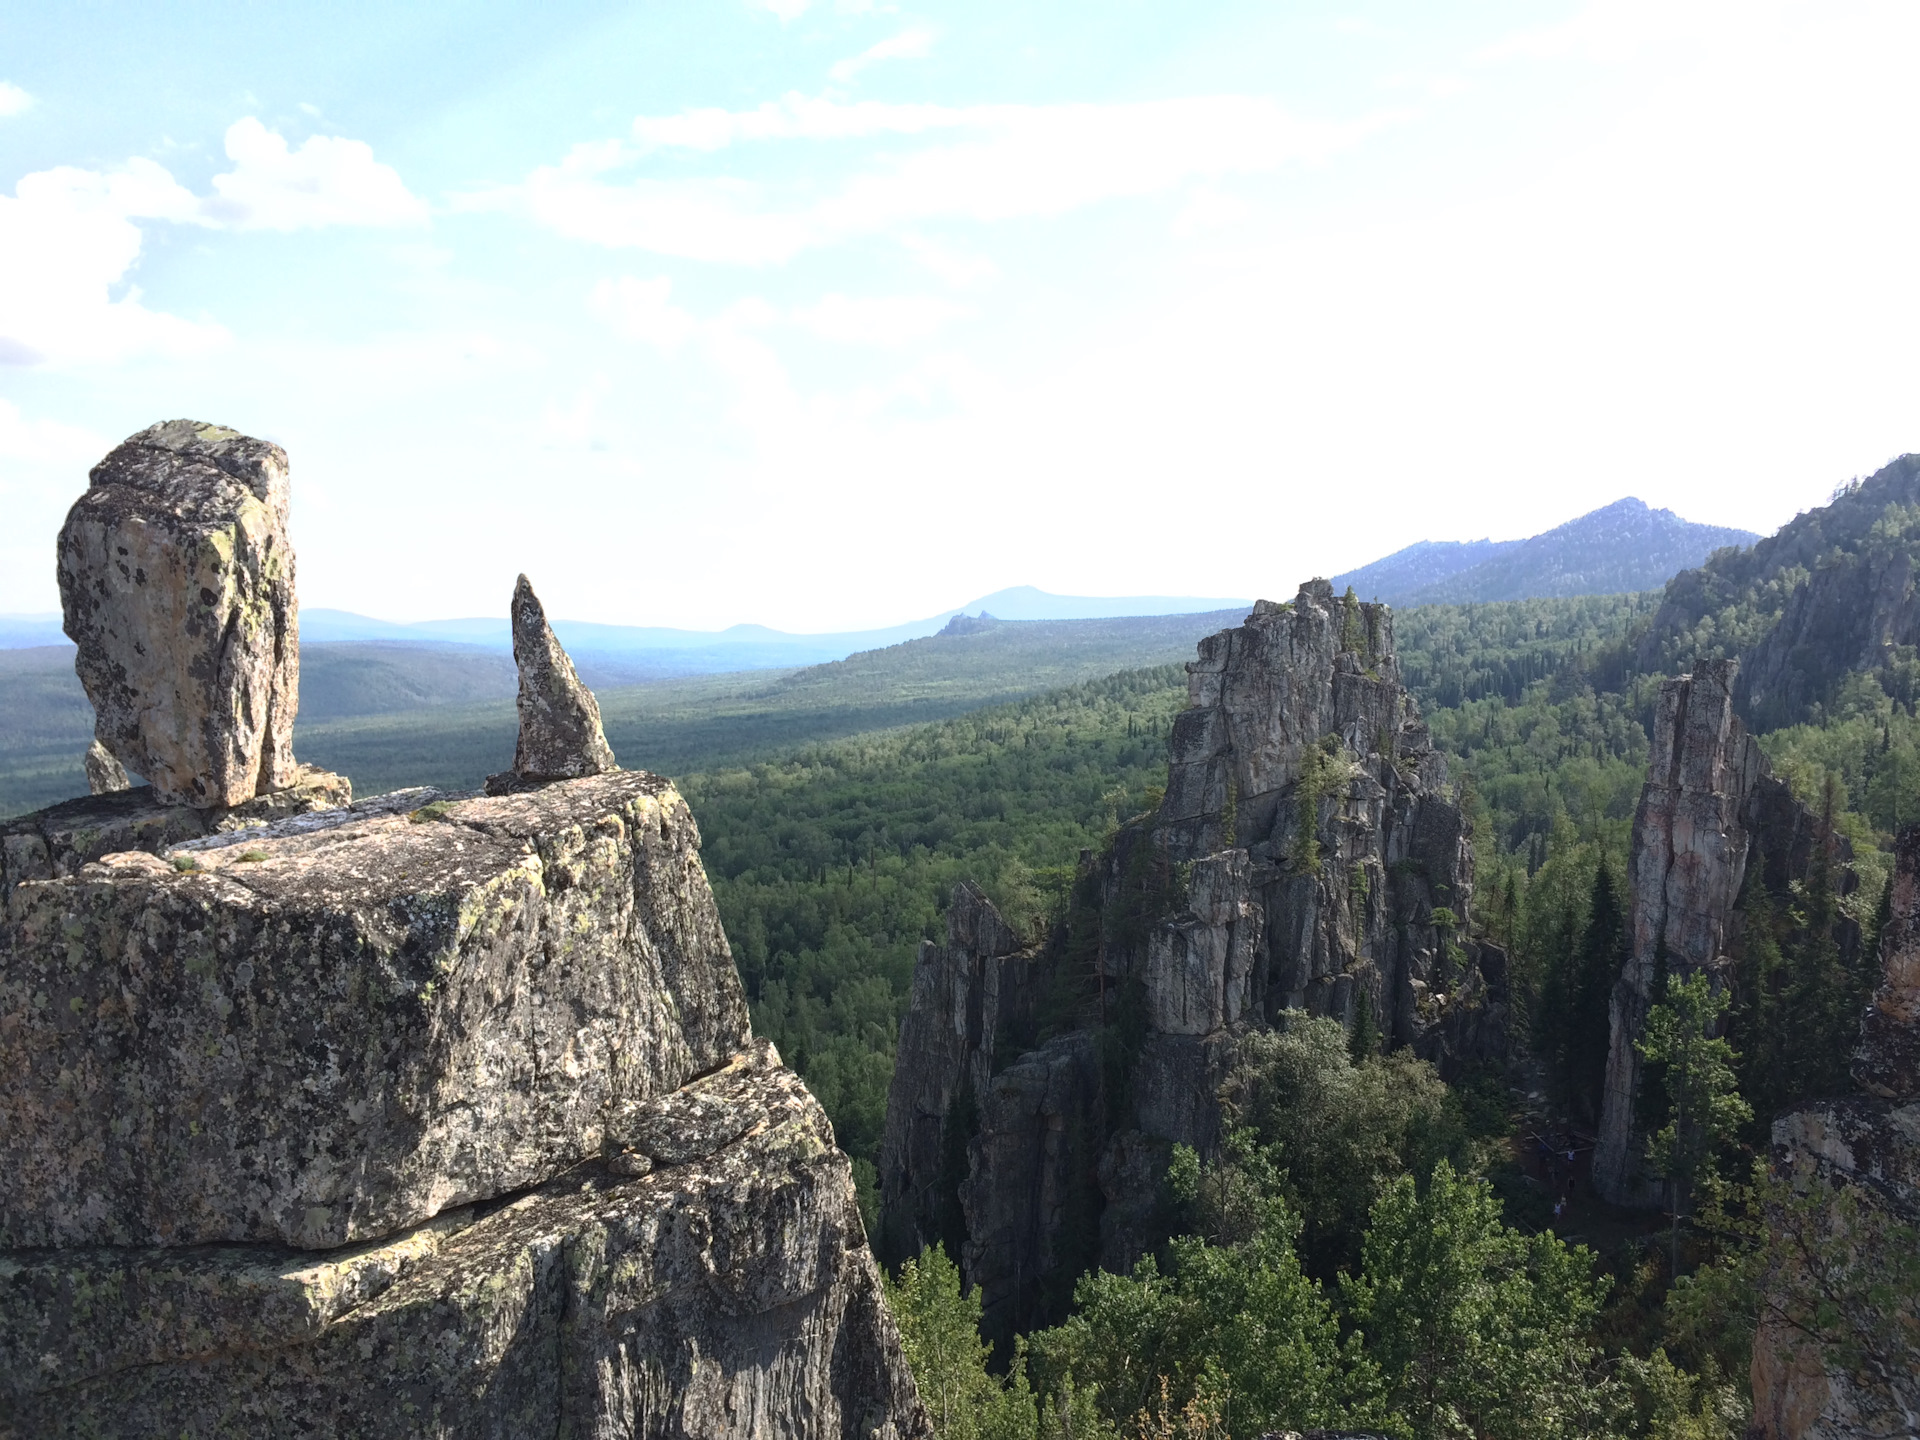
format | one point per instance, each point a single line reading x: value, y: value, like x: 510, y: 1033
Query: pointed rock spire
x: 560, y: 735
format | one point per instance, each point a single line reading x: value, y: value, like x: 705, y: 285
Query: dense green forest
x: 833, y: 863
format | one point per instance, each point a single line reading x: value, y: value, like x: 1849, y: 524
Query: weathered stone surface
x: 729, y: 1295
x: 316, y: 1037
x: 1710, y: 811
x: 560, y: 734
x: 1031, y: 1197
x: 965, y: 994
x: 62, y: 838
x: 177, y: 583
x: 104, y: 773
x: 1305, y: 854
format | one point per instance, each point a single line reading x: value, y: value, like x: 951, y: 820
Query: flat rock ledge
x: 62, y: 838
x: 347, y: 1024
x: 726, y: 1293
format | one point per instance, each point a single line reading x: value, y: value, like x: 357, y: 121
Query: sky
x: 828, y: 314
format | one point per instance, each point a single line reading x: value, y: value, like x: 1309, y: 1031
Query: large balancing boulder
x: 342, y: 1024
x: 177, y: 582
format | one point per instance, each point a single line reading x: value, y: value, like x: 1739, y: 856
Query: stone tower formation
x: 1305, y: 856
x: 424, y: 1115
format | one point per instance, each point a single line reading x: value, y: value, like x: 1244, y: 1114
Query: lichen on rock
x: 560, y: 732
x: 177, y: 586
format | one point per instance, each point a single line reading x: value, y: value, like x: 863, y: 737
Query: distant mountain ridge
x: 1622, y: 547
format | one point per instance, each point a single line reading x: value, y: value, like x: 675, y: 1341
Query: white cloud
x: 783, y: 10
x: 66, y: 238
x: 46, y: 442
x: 13, y: 100
x: 962, y: 269
x: 1015, y: 161
x: 880, y: 320
x: 913, y: 44
x: 644, y: 310
x: 326, y: 181
x: 799, y: 117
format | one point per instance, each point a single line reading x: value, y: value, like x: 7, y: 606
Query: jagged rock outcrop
x: 1305, y: 854
x: 726, y: 1293
x: 1870, y: 1145
x: 965, y: 993
x: 321, y: 1037
x: 465, y: 1088
x: 560, y: 734
x: 177, y: 585
x: 431, y: 1115
x: 104, y: 773
x: 1710, y: 813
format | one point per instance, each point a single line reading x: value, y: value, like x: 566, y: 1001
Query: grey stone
x: 560, y: 734
x: 104, y: 773
x: 321, y: 1037
x: 1711, y: 810
x: 731, y: 1296
x: 63, y: 838
x: 177, y: 583
x: 1215, y: 914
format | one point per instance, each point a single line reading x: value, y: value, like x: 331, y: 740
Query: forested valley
x: 1373, y: 1247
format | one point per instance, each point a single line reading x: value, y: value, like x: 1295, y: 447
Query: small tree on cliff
x: 1704, y: 1108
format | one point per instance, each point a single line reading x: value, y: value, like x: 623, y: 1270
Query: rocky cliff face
x: 1870, y: 1146
x: 468, y: 1094
x: 424, y: 1116
x: 1305, y: 855
x: 1710, y: 813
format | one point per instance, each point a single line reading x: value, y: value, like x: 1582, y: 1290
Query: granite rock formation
x: 1305, y: 855
x: 726, y: 1293
x: 63, y: 838
x: 177, y: 584
x: 1870, y: 1144
x: 1712, y: 819
x: 324, y: 1037
x: 104, y: 773
x: 430, y: 1116
x: 560, y: 734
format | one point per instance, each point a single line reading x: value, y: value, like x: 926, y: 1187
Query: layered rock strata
x: 1869, y: 1144
x: 1712, y: 818
x: 728, y: 1292
x: 177, y: 585
x: 1305, y: 857
x: 434, y: 1116
x: 560, y: 732
x: 328, y: 1036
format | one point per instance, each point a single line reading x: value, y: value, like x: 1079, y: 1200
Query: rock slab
x: 177, y: 585
x: 314, y: 1038
x: 725, y: 1296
